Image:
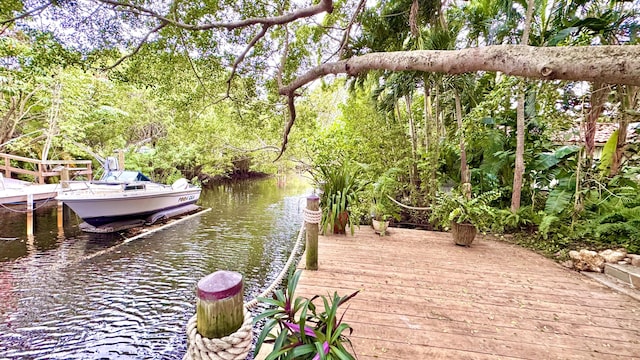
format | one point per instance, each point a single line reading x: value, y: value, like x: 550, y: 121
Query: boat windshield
x: 124, y: 176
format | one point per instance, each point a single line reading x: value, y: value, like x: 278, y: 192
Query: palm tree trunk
x: 464, y: 168
x: 428, y: 117
x: 629, y: 100
x: 518, y: 172
x: 598, y: 97
x: 414, y: 143
x: 519, y: 163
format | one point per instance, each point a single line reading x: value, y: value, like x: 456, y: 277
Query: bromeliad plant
x: 298, y: 330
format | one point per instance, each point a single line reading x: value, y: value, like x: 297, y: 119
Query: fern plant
x: 455, y: 207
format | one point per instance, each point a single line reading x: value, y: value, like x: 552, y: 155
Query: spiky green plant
x: 341, y: 186
x: 299, y: 330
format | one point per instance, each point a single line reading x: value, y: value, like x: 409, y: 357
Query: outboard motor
x: 180, y: 184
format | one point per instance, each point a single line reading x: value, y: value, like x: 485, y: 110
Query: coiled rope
x: 237, y: 345
x: 233, y: 347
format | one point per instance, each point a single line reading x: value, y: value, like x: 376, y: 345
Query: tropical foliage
x: 457, y: 207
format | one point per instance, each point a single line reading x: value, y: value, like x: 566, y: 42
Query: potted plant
x: 382, y: 208
x: 464, y: 215
x: 340, y: 188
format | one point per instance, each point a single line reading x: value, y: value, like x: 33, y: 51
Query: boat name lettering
x: 186, y: 198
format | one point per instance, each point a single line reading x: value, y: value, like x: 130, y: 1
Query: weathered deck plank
x: 424, y: 298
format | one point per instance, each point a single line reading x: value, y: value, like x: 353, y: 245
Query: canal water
x: 58, y: 301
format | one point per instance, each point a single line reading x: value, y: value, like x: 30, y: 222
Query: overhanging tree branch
x: 607, y: 64
x: 26, y: 14
x: 241, y: 57
x: 137, y: 48
x: 322, y: 6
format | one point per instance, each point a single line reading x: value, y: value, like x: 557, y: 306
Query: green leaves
x: 341, y: 186
x: 456, y: 207
x: 302, y: 332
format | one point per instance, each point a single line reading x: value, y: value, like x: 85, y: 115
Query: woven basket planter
x: 463, y: 234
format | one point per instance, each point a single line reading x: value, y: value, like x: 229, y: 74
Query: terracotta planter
x: 339, y: 227
x: 380, y: 227
x: 463, y: 234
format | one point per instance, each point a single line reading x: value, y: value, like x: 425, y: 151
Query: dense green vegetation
x: 199, y: 108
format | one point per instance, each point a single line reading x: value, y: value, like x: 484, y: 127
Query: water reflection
x: 59, y: 300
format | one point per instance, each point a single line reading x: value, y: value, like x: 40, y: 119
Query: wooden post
x: 313, y: 204
x: 60, y: 216
x: 29, y: 215
x: 64, y: 177
x: 90, y: 174
x: 120, y: 159
x: 40, y: 171
x: 219, y: 304
x: 7, y: 168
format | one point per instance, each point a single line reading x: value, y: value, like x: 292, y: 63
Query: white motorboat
x: 125, y: 195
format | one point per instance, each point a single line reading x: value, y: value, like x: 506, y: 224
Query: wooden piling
x: 29, y: 214
x: 64, y: 178
x: 60, y: 216
x: 313, y: 204
x: 220, y: 304
x: 120, y: 159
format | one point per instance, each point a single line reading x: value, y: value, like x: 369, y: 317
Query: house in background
x: 575, y: 135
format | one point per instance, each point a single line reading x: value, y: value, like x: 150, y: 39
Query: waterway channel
x: 58, y: 301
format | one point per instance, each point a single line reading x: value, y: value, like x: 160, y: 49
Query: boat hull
x: 105, y: 209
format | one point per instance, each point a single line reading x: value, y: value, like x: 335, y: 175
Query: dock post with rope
x: 312, y: 217
x: 237, y: 345
x: 222, y: 327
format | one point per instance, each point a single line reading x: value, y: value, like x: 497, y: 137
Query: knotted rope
x: 233, y: 347
x: 237, y: 345
x: 312, y: 216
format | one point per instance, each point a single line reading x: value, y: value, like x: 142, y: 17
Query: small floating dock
x: 424, y: 298
x: 17, y: 191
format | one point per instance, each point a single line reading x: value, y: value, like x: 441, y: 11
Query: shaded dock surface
x: 425, y: 298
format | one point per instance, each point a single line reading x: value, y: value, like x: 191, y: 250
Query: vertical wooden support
x: 40, y: 171
x: 7, y: 168
x: 60, y: 216
x: 64, y: 178
x: 90, y: 174
x: 313, y: 204
x: 29, y: 215
x: 219, y: 304
x: 120, y: 159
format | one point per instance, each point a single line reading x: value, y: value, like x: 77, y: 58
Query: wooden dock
x: 424, y: 298
x: 38, y: 192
